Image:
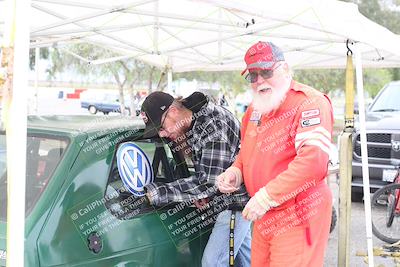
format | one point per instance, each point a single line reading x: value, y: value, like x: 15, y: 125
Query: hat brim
x: 264, y: 65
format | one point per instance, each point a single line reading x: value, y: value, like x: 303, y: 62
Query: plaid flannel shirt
x: 215, y: 141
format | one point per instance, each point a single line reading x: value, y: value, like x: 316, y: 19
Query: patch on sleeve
x: 310, y: 122
x: 255, y: 116
x: 310, y: 113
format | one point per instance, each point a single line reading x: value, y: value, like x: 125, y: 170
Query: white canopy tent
x: 186, y: 35
x: 214, y: 35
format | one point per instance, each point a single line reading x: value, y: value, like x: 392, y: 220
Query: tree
x: 78, y: 59
x: 44, y: 54
x: 324, y: 80
x: 375, y: 79
x: 230, y: 81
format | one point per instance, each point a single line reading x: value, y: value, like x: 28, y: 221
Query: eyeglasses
x: 252, y: 76
x: 163, y: 120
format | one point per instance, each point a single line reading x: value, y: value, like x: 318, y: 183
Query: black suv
x: 383, y: 141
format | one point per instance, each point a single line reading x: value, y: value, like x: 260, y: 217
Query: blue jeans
x: 216, y: 252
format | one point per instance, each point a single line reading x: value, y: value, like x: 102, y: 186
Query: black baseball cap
x: 153, y: 108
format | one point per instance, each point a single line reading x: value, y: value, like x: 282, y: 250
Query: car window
x: 42, y: 157
x: 167, y: 167
x: 388, y: 100
x: 110, y: 97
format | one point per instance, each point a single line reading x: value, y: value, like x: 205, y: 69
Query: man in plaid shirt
x: 211, y: 135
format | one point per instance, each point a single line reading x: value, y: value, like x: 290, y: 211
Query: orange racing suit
x: 287, y: 152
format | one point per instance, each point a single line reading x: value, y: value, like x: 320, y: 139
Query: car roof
x: 79, y: 124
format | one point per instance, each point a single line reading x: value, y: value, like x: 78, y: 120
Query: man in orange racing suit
x: 283, y: 161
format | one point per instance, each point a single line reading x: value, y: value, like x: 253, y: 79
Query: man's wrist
x: 147, y: 199
x: 264, y: 199
x: 147, y: 196
x: 151, y: 192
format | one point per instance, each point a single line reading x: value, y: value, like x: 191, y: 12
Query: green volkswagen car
x: 79, y: 212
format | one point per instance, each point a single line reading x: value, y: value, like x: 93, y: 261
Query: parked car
x: 383, y: 141
x: 78, y: 212
x: 109, y: 103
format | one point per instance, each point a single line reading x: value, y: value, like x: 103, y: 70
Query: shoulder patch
x: 255, y: 116
x: 310, y: 122
x: 310, y: 113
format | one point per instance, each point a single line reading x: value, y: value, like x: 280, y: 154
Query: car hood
x: 381, y: 121
x: 3, y: 230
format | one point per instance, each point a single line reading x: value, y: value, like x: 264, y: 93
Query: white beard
x: 270, y: 100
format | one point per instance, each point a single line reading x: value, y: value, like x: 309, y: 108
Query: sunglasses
x: 252, y: 76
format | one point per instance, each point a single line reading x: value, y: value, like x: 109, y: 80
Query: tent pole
x: 146, y: 13
x: 91, y: 15
x: 170, y: 24
x: 364, y: 154
x: 17, y: 35
x: 90, y: 29
x: 184, y: 42
x: 219, y: 37
x: 156, y: 27
x: 242, y: 32
x: 70, y: 3
x: 257, y: 13
x: 72, y: 20
x: 93, y: 32
x: 169, y: 79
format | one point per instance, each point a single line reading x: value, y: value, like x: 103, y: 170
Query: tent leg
x: 16, y: 122
x: 364, y: 155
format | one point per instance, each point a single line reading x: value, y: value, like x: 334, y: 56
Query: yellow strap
x: 349, y: 92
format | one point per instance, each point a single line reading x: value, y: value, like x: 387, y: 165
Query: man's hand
x: 201, y: 203
x: 253, y: 210
x: 230, y: 180
x: 258, y: 205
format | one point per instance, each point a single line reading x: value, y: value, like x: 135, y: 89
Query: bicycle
x: 386, y: 211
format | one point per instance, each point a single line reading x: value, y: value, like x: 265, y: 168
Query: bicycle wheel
x: 386, y: 213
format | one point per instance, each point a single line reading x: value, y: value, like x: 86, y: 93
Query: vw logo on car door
x: 134, y: 167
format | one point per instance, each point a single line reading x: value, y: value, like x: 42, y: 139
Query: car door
x: 110, y: 103
x: 97, y: 222
x: 165, y: 231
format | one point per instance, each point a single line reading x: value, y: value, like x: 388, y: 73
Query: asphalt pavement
x: 358, y: 239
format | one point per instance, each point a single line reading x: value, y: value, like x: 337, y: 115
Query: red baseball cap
x: 262, y: 55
